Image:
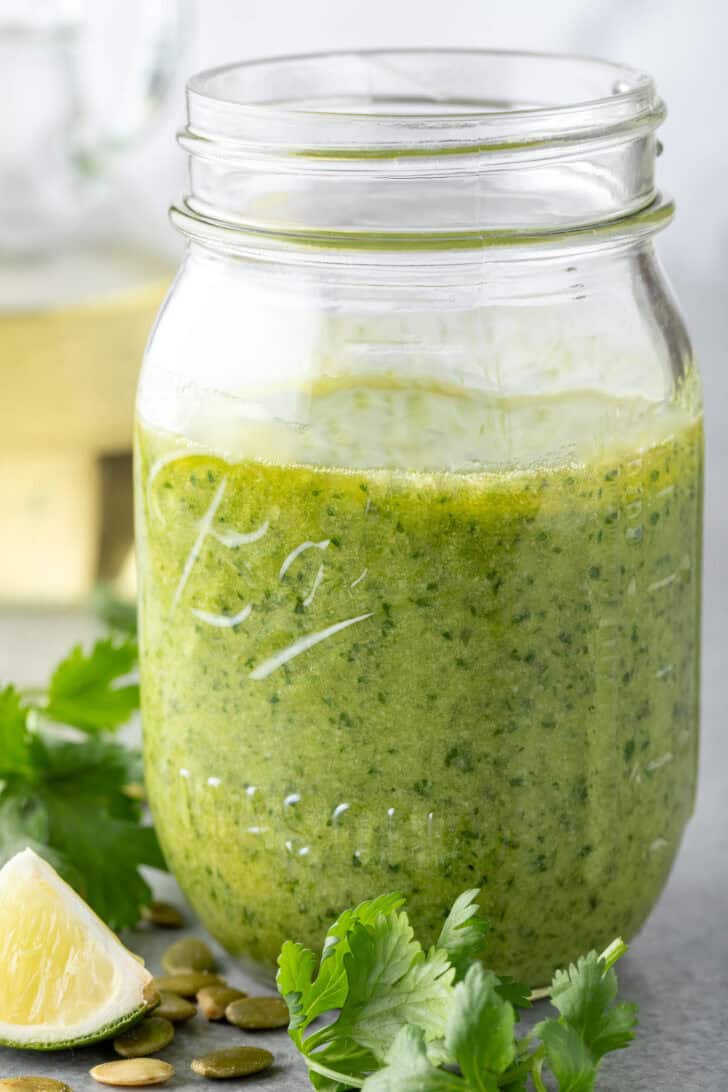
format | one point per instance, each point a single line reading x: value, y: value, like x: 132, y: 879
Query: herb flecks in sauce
x: 482, y: 678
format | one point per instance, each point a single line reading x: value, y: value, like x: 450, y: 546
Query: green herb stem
x: 318, y: 1038
x: 536, y: 1076
x: 523, y: 1068
x: 324, y: 1071
x: 612, y: 953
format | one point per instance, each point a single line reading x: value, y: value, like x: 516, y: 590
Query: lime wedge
x: 65, y: 978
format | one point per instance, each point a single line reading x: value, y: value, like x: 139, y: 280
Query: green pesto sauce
x: 512, y: 704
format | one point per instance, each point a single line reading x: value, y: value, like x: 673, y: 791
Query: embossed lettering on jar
x: 419, y: 457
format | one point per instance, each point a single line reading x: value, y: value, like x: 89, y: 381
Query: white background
x: 683, y: 43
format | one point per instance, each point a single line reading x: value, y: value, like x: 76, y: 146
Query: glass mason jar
x: 419, y: 504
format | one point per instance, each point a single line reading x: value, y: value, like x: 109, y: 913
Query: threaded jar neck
x: 420, y: 149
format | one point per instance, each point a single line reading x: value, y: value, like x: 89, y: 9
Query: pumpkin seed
x: 163, y: 915
x: 148, y: 1037
x: 33, y: 1084
x: 175, y: 1009
x: 213, y: 1000
x: 189, y: 954
x: 237, y: 1062
x: 187, y: 983
x: 134, y: 1073
x: 258, y: 1013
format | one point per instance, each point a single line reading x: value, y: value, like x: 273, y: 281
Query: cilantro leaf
x: 77, y: 817
x: 515, y: 993
x: 23, y: 822
x: 308, y: 998
x: 584, y: 995
x: 24, y: 825
x: 463, y: 937
x: 406, y: 1024
x: 334, y: 1067
x: 479, y: 1036
x: 392, y: 982
x: 480, y: 1030
x: 517, y: 1084
x: 17, y: 744
x: 591, y: 1024
x: 96, y: 827
x: 107, y: 852
x: 295, y: 981
x: 378, y: 976
x: 409, y: 1069
x: 93, y: 770
x: 463, y: 933
x: 85, y: 689
x: 569, y: 1058
x: 67, y: 799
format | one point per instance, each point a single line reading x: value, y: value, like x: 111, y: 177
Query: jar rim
x: 402, y: 147
x: 360, y: 103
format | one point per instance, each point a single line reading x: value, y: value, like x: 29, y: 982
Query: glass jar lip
x: 342, y: 103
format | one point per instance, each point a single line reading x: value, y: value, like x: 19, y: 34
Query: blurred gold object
x: 51, y: 520
x: 68, y: 375
x: 69, y: 372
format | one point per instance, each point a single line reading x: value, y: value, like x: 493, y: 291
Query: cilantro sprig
x: 416, y: 1020
x: 90, y: 692
x: 65, y: 793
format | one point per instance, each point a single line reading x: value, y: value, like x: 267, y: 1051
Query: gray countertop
x: 677, y: 970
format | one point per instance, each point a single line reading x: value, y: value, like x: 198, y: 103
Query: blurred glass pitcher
x: 80, y: 282
x: 81, y: 78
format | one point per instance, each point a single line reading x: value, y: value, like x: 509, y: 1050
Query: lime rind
x: 109, y: 1031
